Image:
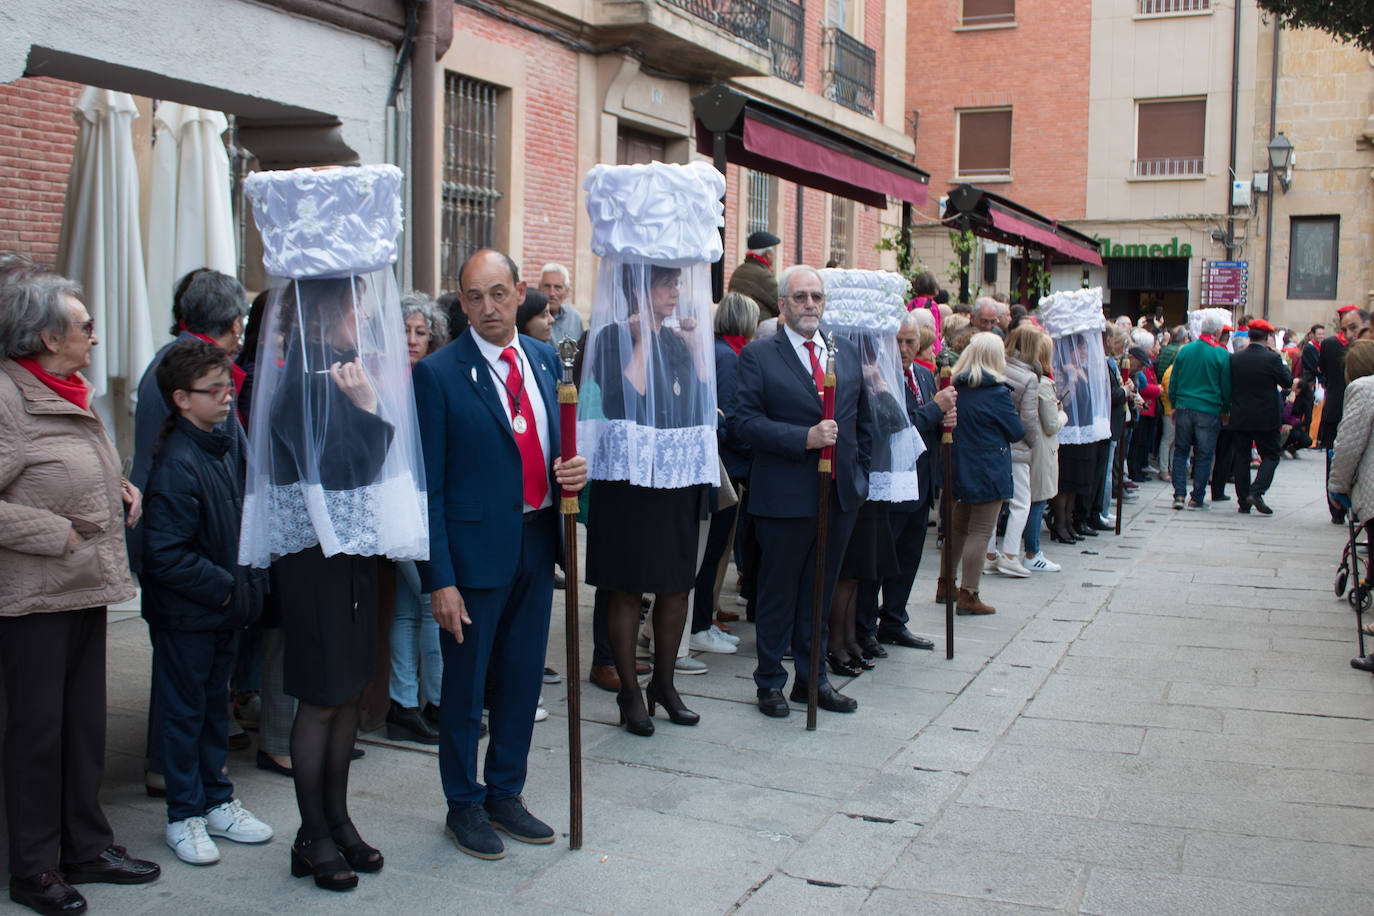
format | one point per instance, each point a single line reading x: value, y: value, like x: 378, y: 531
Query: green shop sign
x: 1172, y: 250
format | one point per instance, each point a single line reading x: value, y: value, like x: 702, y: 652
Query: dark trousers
x: 54, y: 671
x: 503, y: 646
x: 1267, y: 444
x: 748, y: 556
x: 704, y: 595
x: 601, y: 635
x: 1195, y: 433
x: 786, y: 586
x: 890, y: 616
x: 1139, y: 455
x: 1102, y: 460
x: 191, y: 680
x: 1223, y: 462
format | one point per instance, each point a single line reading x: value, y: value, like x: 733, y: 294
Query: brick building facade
x: 37, y: 137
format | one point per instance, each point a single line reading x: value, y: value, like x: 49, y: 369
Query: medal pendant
x: 677, y: 389
x: 519, y: 425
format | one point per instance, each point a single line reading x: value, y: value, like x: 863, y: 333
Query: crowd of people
x: 294, y: 457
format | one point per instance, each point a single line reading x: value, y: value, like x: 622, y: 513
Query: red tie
x: 911, y: 383
x: 532, y: 465
x: 816, y: 371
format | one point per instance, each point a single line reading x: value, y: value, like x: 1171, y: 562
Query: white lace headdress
x: 647, y: 412
x: 867, y: 306
x: 344, y: 472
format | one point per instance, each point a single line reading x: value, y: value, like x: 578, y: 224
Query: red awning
x: 1042, y: 236
x: 824, y: 165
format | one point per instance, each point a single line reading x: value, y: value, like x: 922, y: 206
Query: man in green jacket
x: 755, y: 278
x: 1200, y: 392
x: 1177, y: 338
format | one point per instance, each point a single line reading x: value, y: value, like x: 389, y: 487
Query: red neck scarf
x: 736, y: 341
x: 72, y: 387
x: 921, y: 362
x: 236, y: 372
x: 750, y: 256
x: 1208, y: 340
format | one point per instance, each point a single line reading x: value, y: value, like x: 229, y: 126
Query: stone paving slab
x: 1167, y: 726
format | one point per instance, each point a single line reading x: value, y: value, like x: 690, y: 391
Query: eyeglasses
x: 87, y: 327
x: 217, y: 392
x: 801, y: 298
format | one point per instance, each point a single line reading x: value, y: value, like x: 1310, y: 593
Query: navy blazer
x: 733, y: 452
x: 988, y: 424
x: 928, y: 419
x: 1257, y: 376
x: 775, y: 404
x: 472, y: 465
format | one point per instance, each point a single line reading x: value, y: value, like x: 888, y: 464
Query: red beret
x: 1259, y: 324
x: 1227, y: 327
x: 1345, y: 308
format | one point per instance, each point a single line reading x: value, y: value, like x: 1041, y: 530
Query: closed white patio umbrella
x: 190, y: 217
x: 101, y: 246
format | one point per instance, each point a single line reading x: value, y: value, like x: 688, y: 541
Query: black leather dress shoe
x: 773, y: 703
x: 1083, y: 529
x: 407, y: 723
x: 1260, y: 506
x: 47, y: 893
x: 871, y: 648
x: 1096, y: 525
x: 827, y: 698
x: 905, y: 637
x: 115, y: 866
x: 1363, y: 664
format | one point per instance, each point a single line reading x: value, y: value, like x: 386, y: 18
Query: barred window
x: 471, y: 188
x: 761, y: 188
x: 841, y: 231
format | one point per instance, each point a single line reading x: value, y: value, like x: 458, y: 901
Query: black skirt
x: 642, y: 539
x: 1077, y: 468
x: 872, y: 551
x: 329, y: 611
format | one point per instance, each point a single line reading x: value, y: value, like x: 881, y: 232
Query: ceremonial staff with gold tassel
x: 947, y: 519
x: 826, y: 473
x: 567, y: 418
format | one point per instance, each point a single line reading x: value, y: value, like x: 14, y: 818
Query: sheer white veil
x: 1075, y: 322
x: 322, y: 468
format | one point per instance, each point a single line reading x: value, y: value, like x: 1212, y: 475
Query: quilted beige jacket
x: 1352, y: 462
x: 58, y: 472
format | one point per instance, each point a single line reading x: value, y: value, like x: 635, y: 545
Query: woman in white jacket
x: 1044, y: 464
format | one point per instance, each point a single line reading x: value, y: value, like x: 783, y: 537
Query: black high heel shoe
x: 643, y: 727
x: 1063, y: 537
x: 840, y: 667
x: 332, y: 874
x: 359, y: 856
x: 679, y: 715
x: 1082, y: 529
x: 857, y: 657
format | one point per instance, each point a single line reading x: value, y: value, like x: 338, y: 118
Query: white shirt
x: 799, y: 346
x: 500, y: 369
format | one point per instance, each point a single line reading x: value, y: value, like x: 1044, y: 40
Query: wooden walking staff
x: 826, y: 472
x: 947, y: 510
x: 567, y: 505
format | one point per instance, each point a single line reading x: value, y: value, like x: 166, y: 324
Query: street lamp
x: 1281, y: 160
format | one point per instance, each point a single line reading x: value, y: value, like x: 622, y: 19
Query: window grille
x: 471, y: 187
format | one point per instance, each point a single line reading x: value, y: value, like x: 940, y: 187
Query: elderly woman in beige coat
x: 1044, y: 474
x: 63, y: 509
x: 1023, y: 375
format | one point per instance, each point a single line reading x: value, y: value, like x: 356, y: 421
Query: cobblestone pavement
x: 1170, y: 725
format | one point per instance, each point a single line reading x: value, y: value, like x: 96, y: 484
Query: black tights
x: 843, y: 639
x: 622, y: 624
x: 321, y: 750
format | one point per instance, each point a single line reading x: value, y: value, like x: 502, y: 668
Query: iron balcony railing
x: 851, y: 67
x: 747, y: 19
x: 786, y: 33
x: 1150, y: 7
x: 1170, y: 167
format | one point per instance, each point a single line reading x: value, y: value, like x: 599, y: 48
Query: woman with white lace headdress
x: 867, y: 306
x: 335, y: 480
x: 651, y: 442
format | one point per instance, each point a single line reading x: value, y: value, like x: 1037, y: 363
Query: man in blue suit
x: 927, y: 409
x: 778, y: 413
x: 488, y: 411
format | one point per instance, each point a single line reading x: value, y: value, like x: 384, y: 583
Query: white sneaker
x: 731, y: 638
x: 234, y: 822
x: 191, y: 843
x: 712, y: 641
x: 689, y: 665
x: 1009, y: 565
x: 1039, y: 563
x: 989, y: 562
x: 540, y: 714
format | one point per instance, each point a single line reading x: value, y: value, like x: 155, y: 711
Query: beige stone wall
x: 1326, y: 107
